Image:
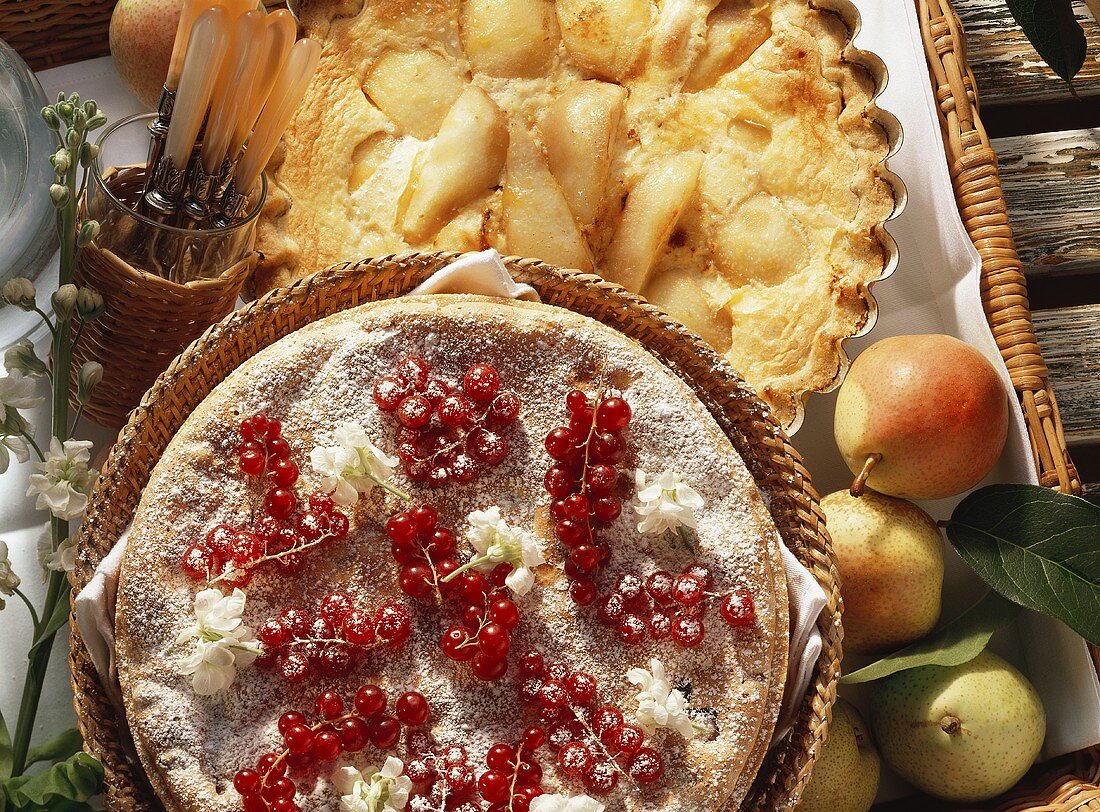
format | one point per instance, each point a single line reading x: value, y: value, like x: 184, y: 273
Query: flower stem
x: 473, y: 562
x: 391, y: 488
x: 30, y: 441
x: 30, y: 608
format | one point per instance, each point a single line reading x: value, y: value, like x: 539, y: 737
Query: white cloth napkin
x: 482, y: 273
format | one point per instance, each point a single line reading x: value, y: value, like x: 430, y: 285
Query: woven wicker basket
x: 773, y: 462
x: 51, y: 32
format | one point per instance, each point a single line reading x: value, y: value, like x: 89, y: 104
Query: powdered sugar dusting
x: 321, y: 377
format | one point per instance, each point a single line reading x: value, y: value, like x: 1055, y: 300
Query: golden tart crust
x: 322, y: 375
x: 719, y: 158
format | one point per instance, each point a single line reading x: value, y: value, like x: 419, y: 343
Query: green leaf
x: 55, y: 621
x: 61, y: 747
x: 75, y: 779
x: 1037, y: 547
x: 1053, y: 31
x: 5, y: 752
x: 955, y: 643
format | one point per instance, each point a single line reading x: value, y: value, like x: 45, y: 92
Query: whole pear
x: 963, y: 733
x: 922, y: 416
x: 890, y: 557
x: 142, y: 34
x: 845, y: 777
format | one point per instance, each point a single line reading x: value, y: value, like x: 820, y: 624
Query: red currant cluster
x: 442, y: 777
x: 663, y: 605
x: 447, y: 434
x: 283, y: 532
x: 582, y: 483
x: 512, y: 778
x: 333, y: 642
x: 593, y: 743
x: 337, y: 730
x: 425, y: 552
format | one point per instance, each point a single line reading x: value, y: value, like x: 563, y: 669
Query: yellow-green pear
x: 963, y: 733
x: 890, y: 557
x: 845, y: 777
x: 141, y: 36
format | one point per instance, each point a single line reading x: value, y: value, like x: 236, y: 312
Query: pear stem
x: 861, y: 478
x: 951, y: 725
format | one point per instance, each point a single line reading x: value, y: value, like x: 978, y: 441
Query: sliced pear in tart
x: 414, y: 89
x: 606, y: 38
x: 509, y: 37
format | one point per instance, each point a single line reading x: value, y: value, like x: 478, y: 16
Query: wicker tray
x: 52, y: 32
x: 771, y: 459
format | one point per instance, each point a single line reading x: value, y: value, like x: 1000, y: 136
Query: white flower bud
x: 49, y: 115
x: 89, y: 230
x: 59, y: 194
x: 88, y: 152
x: 90, y: 108
x: 96, y: 121
x: 61, y: 160
x: 63, y: 301
x: 65, y: 110
x: 20, y: 293
x: 87, y: 379
x: 22, y: 357
x: 89, y: 304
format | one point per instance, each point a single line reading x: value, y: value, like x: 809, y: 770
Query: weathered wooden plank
x: 1070, y: 341
x: 1006, y: 66
x: 1052, y: 190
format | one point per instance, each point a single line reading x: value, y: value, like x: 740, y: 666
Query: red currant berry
x: 420, y: 771
x: 336, y: 661
x: 563, y: 733
x: 435, y: 390
x: 252, y: 462
x: 659, y: 624
x: 329, y: 705
x: 607, y: 447
x: 630, y: 586
x: 611, y: 609
x: 628, y: 739
x: 601, y: 479
x: 533, y: 738
x: 560, y: 444
x: 277, y: 448
x: 505, y: 408
x: 358, y: 627
x: 500, y: 757
x: 279, y: 503
x: 504, y: 612
x: 326, y: 746
x: 575, y: 759
x: 494, y: 786
x: 370, y: 700
x: 456, y: 411
x: 416, y: 581
x: 353, y: 734
x: 198, y: 563
x: 738, y: 608
x: 632, y: 629
x: 460, y: 779
x: 393, y: 624
x: 558, y: 670
x: 601, y: 777
x: 280, y: 789
x: 487, y: 668
x: 289, y: 720
x: 299, y: 762
x: 688, y: 590
x: 606, y: 721
x: 401, y: 528
x: 455, y: 755
x: 613, y: 414
x: 659, y: 586
x: 414, y: 411
x: 247, y: 782
x: 583, y: 592
x: 529, y: 689
x: 554, y: 694
x: 284, y: 473
x: 487, y: 447
x: 294, y: 667
x: 270, y: 765
x: 218, y: 539
x: 493, y: 641
x: 582, y: 687
x: 607, y: 509
x: 247, y: 428
x: 414, y: 370
x: 481, y: 383
x: 572, y: 533
x: 702, y: 573
x: 647, y: 766
x: 272, y: 633
x: 456, y: 644
x: 559, y: 483
x: 464, y: 469
x: 298, y: 738
x: 531, y: 663
x: 576, y: 401
x: 687, y: 630
x: 383, y: 731
x: 335, y: 607
x: 412, y: 709
x: 474, y: 587
x: 388, y: 392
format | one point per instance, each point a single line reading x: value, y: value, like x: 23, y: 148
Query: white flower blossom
x: 65, y: 481
x: 385, y: 790
x: 498, y: 543
x: 353, y: 465
x: 222, y: 641
x: 17, y: 446
x: 565, y: 803
x: 9, y: 581
x: 63, y: 559
x: 660, y: 705
x: 666, y: 503
x: 17, y: 392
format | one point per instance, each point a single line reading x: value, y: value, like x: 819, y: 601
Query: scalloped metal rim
x: 873, y: 64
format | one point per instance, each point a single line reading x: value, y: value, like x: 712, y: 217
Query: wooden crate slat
x: 1006, y: 66
x: 1053, y: 198
x: 1070, y: 340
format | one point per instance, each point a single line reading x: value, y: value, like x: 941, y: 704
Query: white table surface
x: 935, y: 289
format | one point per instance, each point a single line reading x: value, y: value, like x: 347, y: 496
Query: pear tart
x: 719, y: 158
x: 562, y: 590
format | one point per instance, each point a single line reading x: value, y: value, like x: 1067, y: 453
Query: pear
x: 890, y: 557
x: 921, y: 417
x: 845, y: 777
x: 141, y: 36
x: 964, y: 733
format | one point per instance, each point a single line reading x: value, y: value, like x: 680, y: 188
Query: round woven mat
x: 767, y: 452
